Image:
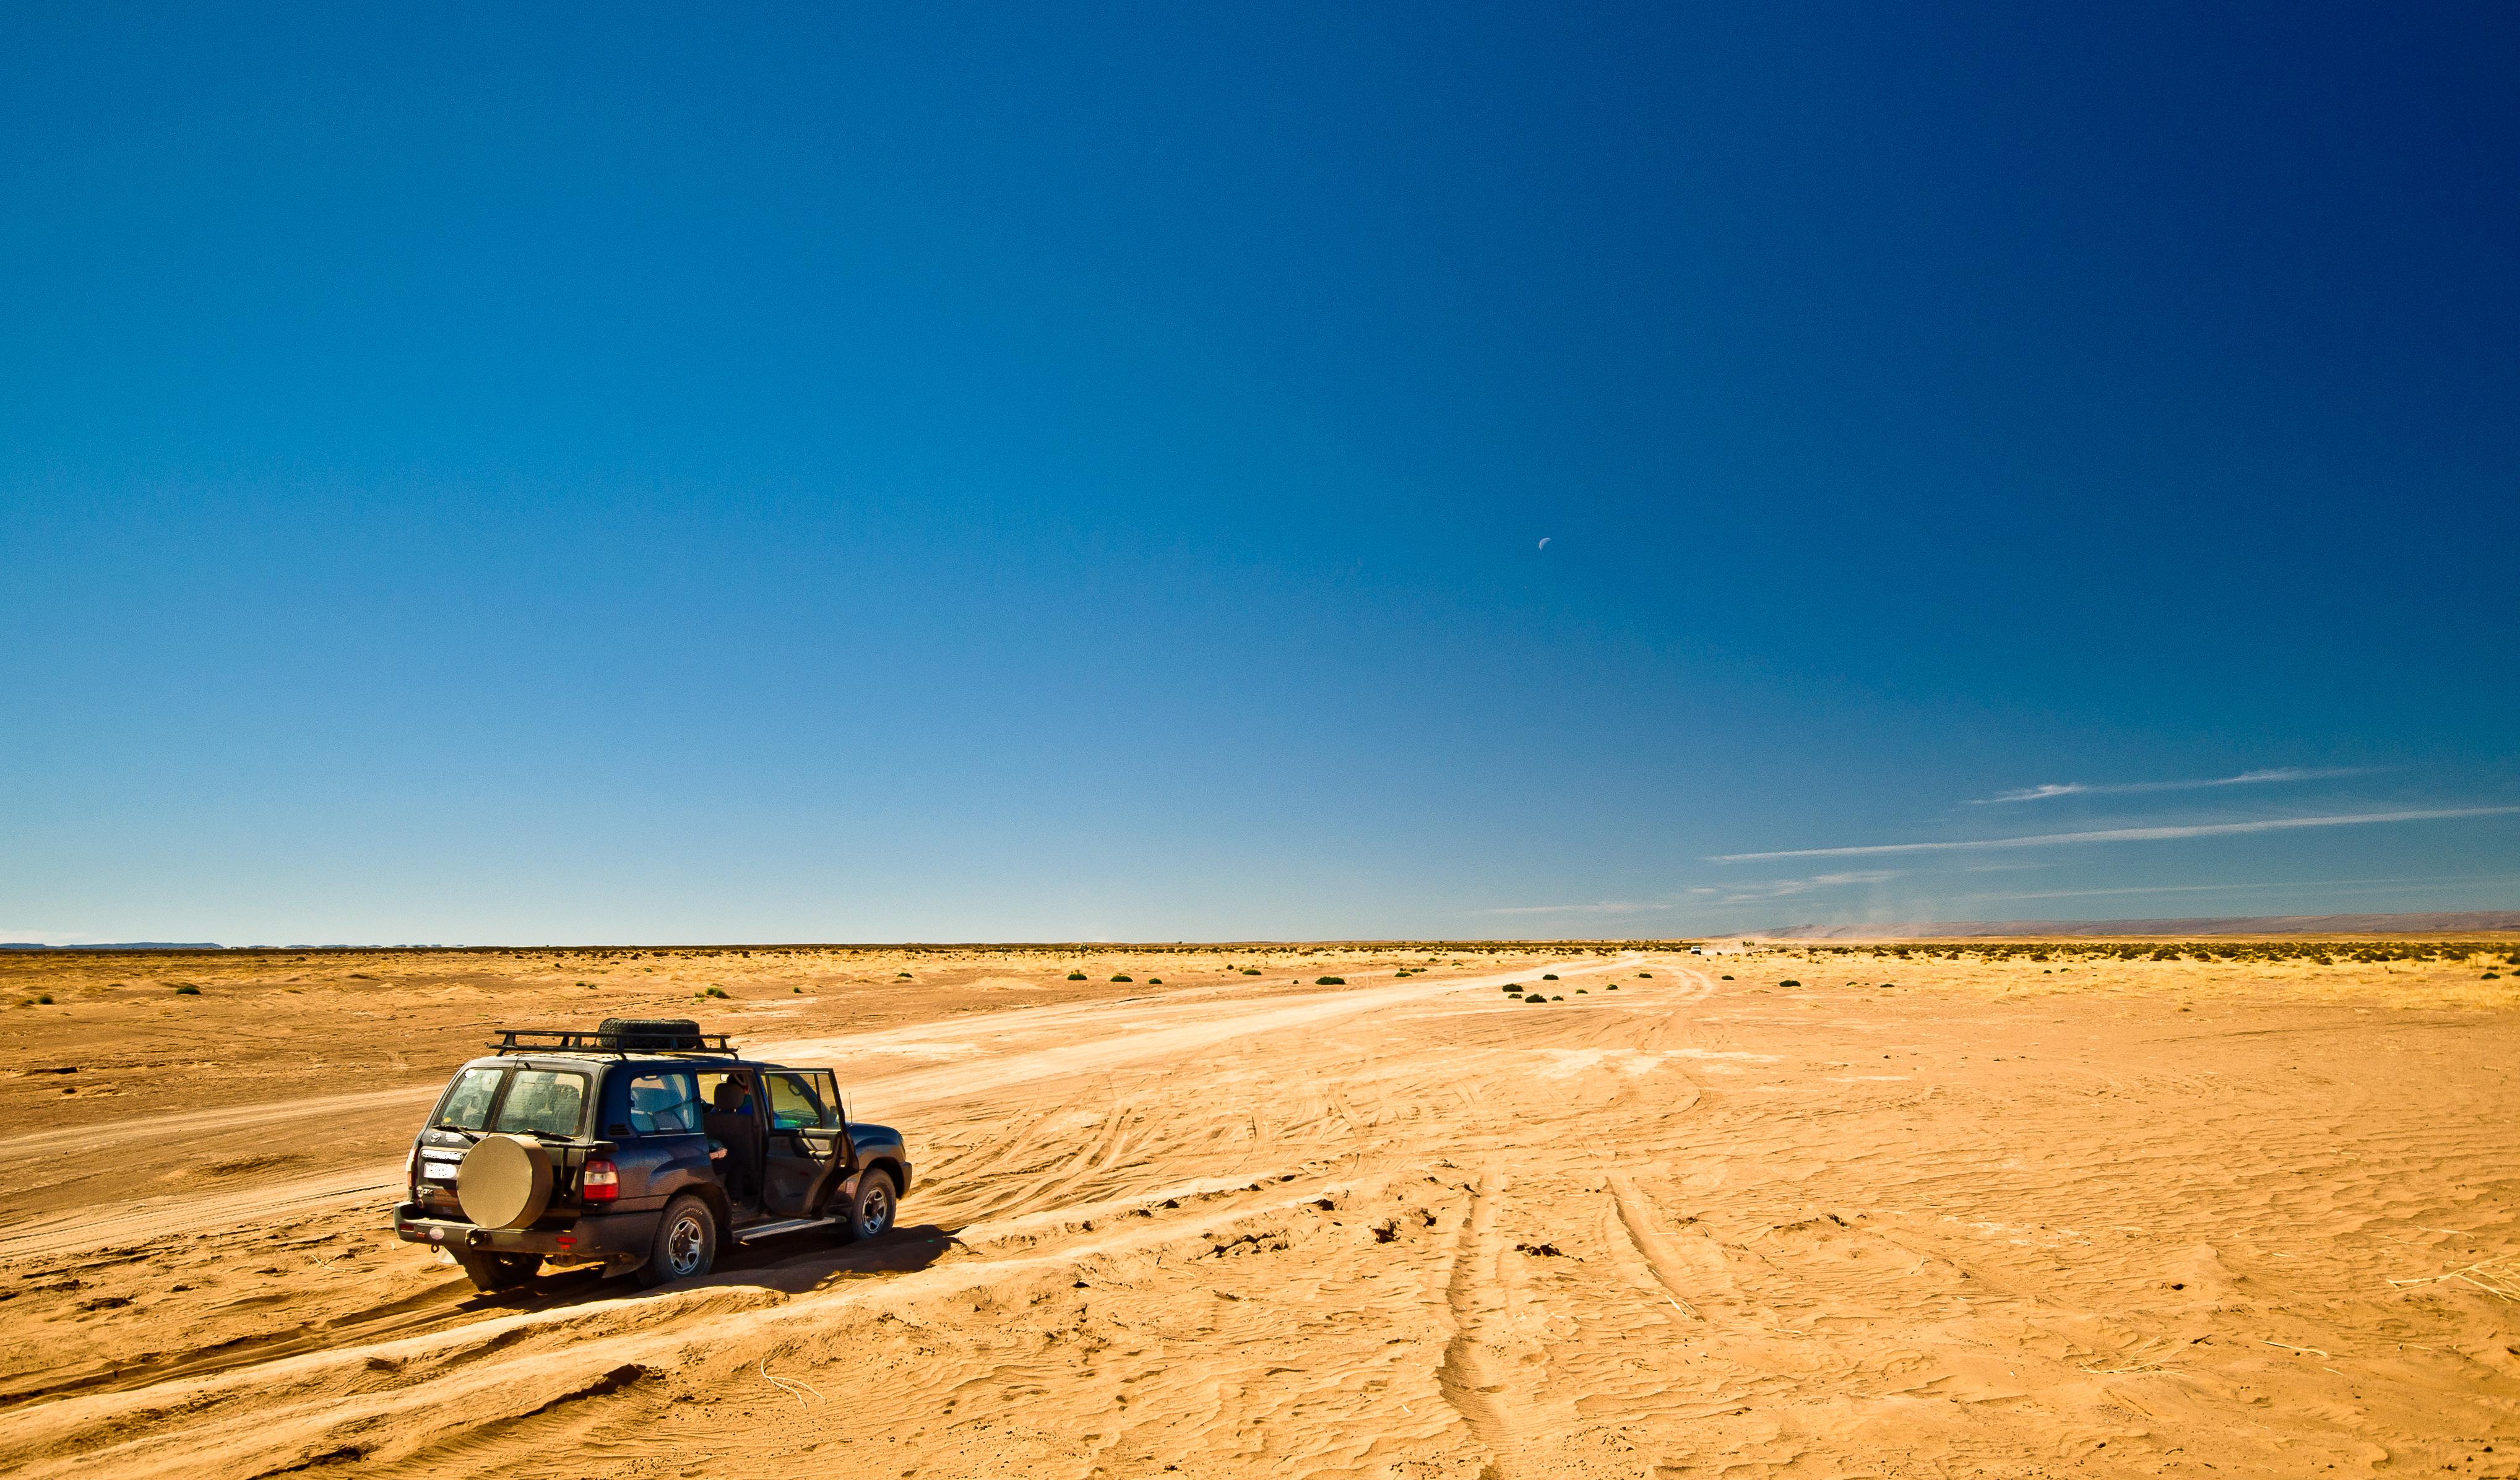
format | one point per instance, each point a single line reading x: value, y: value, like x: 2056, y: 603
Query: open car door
x: 809, y: 1147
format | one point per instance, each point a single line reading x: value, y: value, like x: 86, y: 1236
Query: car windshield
x: 543, y: 1102
x: 467, y: 1106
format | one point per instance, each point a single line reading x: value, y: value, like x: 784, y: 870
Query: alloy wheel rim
x: 683, y: 1245
x: 879, y: 1209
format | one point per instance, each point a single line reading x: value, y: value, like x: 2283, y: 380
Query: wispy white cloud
x: 2044, y: 792
x: 1733, y: 894
x: 1787, y: 888
x: 2152, y: 889
x: 1602, y: 907
x: 2123, y: 834
x: 2365, y: 884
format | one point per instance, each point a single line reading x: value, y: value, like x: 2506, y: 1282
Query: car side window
x: 664, y: 1105
x: 828, y: 1090
x: 468, y: 1100
x: 793, y: 1105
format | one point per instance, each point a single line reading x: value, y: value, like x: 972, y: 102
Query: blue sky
x: 639, y: 474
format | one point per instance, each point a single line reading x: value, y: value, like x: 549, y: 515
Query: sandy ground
x: 1995, y: 1217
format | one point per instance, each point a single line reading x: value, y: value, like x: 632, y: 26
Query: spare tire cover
x: 505, y: 1182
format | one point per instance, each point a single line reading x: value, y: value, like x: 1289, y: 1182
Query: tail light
x: 411, y: 1170
x: 601, y: 1183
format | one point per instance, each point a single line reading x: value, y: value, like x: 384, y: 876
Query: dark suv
x: 638, y: 1147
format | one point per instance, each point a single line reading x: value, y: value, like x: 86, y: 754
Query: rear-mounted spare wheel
x: 505, y: 1182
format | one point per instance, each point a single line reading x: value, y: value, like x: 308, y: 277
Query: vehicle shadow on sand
x: 794, y: 1263
x: 789, y: 1263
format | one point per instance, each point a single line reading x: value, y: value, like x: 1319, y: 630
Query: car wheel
x: 686, y: 1246
x: 869, y: 1215
x: 498, y: 1272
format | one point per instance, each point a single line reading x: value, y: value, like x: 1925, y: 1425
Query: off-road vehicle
x: 638, y: 1147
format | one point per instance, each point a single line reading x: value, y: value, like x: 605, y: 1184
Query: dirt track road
x: 888, y: 1077
x: 1411, y: 1227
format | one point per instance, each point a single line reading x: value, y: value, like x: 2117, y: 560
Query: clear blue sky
x: 642, y: 473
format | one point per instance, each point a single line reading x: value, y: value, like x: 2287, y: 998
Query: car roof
x: 699, y: 1063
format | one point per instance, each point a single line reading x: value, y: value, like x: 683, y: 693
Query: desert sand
x: 1995, y: 1209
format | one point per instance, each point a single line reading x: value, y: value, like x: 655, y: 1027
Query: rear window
x: 664, y: 1105
x: 467, y: 1106
x: 550, y: 1101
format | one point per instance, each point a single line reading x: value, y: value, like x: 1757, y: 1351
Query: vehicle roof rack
x: 619, y: 1044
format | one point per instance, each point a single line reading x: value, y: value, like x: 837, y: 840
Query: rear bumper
x: 614, y: 1237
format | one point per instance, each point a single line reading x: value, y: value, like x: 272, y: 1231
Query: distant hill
x: 119, y: 945
x: 2468, y: 924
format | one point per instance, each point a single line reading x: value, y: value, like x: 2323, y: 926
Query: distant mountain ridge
x: 119, y: 945
x: 2469, y: 922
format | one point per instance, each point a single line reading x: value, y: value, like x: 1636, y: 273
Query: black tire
x: 649, y: 1035
x: 868, y: 1214
x: 498, y: 1272
x: 685, y: 1243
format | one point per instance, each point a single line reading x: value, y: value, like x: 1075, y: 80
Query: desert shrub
x: 901, y: 976
x: 1583, y: 991
x: 1548, y: 976
x: 45, y: 999
x: 1647, y: 975
x: 719, y: 992
x: 1513, y: 986
x: 186, y: 989
x: 1076, y: 977
x: 1250, y: 971
x: 1329, y: 981
x: 1789, y: 982
x: 1155, y: 981
x: 1536, y: 1000
x: 1123, y: 976
x: 1612, y: 987
x: 1557, y: 999
x: 1727, y: 978
x: 799, y: 991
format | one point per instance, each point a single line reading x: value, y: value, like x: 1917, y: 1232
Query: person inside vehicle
x: 731, y: 1120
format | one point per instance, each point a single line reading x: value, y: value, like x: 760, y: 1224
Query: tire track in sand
x: 1669, y: 1270
x: 1469, y: 1377
x: 1158, y: 1029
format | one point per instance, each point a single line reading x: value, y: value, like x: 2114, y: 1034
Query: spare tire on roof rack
x: 651, y: 1035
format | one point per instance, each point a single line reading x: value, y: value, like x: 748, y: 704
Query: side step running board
x: 785, y: 1225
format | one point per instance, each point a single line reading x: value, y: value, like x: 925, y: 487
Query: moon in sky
x: 1544, y: 541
